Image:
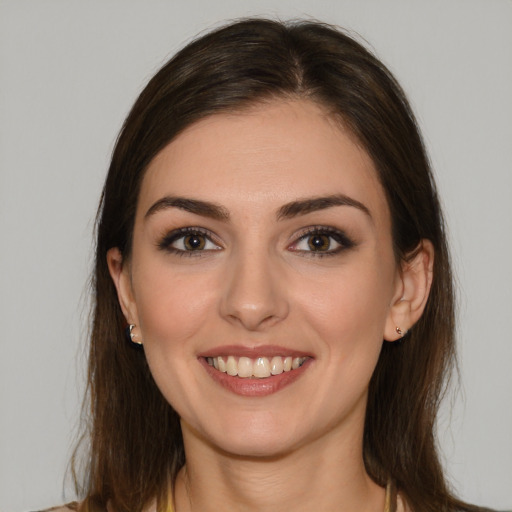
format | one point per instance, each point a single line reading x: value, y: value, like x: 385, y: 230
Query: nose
x: 254, y: 292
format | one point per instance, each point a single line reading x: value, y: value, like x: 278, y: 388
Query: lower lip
x: 254, y: 387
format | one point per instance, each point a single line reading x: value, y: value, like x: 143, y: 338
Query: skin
x: 257, y: 282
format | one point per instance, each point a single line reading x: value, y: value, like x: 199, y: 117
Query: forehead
x: 264, y: 157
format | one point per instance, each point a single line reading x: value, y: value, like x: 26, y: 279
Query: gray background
x: 70, y: 70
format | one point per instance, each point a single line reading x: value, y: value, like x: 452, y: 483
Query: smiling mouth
x: 258, y: 368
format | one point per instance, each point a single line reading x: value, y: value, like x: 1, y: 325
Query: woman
x: 271, y: 242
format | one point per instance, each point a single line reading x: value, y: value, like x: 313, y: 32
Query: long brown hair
x: 136, y: 447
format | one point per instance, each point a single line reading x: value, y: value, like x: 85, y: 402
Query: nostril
x: 252, y: 319
x: 254, y: 296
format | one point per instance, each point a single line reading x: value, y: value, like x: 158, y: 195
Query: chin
x: 256, y: 437
x: 255, y: 448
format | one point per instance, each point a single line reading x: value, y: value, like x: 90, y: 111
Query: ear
x: 120, y: 274
x: 411, y: 291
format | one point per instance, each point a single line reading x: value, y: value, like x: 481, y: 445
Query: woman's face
x: 262, y: 240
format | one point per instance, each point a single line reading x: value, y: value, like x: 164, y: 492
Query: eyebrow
x: 287, y: 211
x: 203, y: 208
x: 313, y: 204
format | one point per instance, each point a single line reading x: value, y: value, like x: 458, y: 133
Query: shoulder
x: 70, y: 507
x: 88, y: 505
x: 480, y: 509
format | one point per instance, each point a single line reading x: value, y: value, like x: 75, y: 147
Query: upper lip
x: 253, y: 351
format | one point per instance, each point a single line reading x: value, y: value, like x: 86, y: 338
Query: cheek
x: 171, y: 305
x: 349, y: 308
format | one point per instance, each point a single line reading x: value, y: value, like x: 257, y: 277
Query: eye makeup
x: 321, y: 241
x: 189, y: 241
x: 313, y: 241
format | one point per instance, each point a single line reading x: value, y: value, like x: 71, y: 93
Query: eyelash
x: 338, y: 236
x: 166, y: 243
x: 334, y: 234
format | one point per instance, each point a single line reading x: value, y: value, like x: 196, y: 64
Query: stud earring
x: 401, y: 333
x: 131, y: 335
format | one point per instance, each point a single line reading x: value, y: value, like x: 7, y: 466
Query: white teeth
x: 276, y: 365
x: 295, y: 363
x: 244, y: 367
x: 222, y: 365
x: 231, y: 366
x: 259, y: 368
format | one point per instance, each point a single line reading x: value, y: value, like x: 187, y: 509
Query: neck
x: 312, y: 477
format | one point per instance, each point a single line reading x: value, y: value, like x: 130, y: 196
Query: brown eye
x: 188, y: 242
x: 322, y: 241
x: 319, y: 242
x: 194, y: 242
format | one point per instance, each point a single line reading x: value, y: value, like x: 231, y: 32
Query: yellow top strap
x: 390, y: 501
